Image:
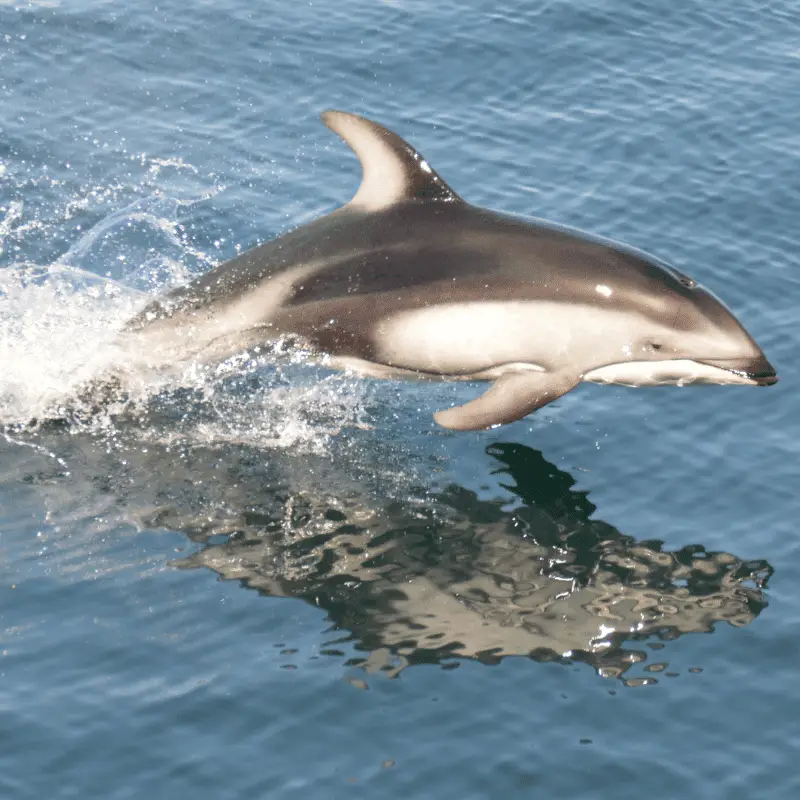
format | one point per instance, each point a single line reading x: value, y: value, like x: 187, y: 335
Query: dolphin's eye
x: 654, y: 346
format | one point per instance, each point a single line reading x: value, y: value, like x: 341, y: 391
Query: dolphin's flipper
x: 393, y: 171
x: 511, y: 397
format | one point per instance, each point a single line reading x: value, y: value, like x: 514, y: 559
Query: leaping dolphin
x: 409, y: 280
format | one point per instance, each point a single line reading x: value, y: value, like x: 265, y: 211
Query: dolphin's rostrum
x: 409, y: 280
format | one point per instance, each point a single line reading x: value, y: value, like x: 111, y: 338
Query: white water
x: 59, y: 323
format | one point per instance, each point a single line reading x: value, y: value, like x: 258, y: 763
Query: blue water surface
x: 286, y: 583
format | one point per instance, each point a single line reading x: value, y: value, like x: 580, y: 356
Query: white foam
x: 58, y: 330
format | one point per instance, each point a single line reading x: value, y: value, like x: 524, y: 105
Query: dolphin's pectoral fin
x: 511, y: 397
x: 393, y: 170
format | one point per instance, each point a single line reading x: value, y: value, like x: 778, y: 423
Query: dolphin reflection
x: 458, y: 576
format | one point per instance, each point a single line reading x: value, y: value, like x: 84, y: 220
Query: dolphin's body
x: 408, y: 280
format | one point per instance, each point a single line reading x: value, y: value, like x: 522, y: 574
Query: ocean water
x: 276, y: 581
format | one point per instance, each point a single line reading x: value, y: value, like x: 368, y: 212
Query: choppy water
x: 279, y: 582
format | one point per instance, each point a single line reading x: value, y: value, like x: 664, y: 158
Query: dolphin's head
x: 680, y: 333
x: 704, y: 331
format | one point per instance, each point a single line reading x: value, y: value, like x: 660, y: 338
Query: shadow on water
x: 425, y: 577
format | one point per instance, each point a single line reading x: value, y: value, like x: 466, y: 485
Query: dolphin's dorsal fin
x: 393, y: 171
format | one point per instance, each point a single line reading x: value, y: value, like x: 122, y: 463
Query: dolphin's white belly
x: 475, y: 338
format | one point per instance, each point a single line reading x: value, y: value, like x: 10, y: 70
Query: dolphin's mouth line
x: 757, y: 370
x: 760, y: 378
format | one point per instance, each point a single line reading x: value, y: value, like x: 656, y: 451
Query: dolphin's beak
x: 756, y: 369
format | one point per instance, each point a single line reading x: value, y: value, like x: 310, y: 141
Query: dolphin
x: 407, y: 280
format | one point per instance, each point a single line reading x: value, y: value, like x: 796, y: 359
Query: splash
x: 59, y: 326
x: 11, y: 214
